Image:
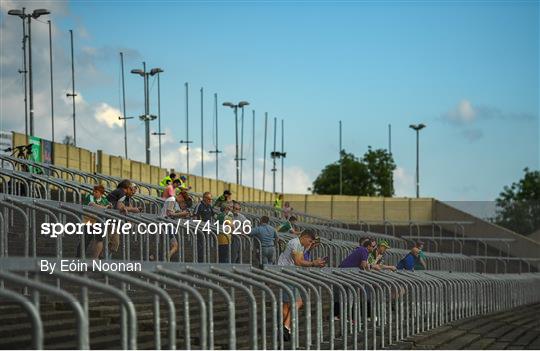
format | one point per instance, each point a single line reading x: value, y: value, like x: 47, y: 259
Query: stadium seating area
x: 193, y: 302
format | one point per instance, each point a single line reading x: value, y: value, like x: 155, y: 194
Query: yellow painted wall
x: 350, y: 209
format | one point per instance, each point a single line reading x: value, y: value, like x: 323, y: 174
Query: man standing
x: 294, y: 256
x: 204, y: 212
x: 268, y: 237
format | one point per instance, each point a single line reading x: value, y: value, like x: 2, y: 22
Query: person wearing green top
x: 97, y: 198
x: 288, y: 226
x: 421, y: 260
x: 94, y: 245
x: 222, y: 200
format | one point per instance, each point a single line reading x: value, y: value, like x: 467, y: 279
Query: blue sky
x: 469, y: 70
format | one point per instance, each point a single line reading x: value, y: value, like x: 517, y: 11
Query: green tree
x: 518, y: 205
x: 370, y: 176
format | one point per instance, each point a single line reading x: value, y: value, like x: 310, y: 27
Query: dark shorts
x: 286, y: 297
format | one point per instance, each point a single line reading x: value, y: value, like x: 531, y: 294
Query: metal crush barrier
x: 239, y: 306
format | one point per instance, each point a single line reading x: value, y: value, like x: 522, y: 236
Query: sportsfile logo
x: 53, y: 230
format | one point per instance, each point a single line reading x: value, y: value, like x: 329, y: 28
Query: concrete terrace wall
x: 521, y: 247
x: 350, y: 209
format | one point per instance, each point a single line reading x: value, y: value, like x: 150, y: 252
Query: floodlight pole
x: 52, y: 86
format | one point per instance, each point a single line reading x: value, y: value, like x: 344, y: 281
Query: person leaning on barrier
x: 204, y: 212
x: 408, y: 262
x: 268, y: 237
x: 294, y: 256
x: 358, y: 258
x: 119, y: 199
x: 308, y: 254
x: 421, y: 259
x: 96, y: 199
x: 376, y: 257
x: 226, y: 197
x: 169, y: 210
x: 288, y: 226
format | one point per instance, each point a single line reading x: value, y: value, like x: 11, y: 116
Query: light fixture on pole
x: 417, y: 128
x: 235, y: 107
x: 147, y: 117
x: 35, y: 14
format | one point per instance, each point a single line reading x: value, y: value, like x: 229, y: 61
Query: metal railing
x: 342, y: 308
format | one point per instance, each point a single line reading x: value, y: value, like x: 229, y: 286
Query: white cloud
x: 462, y: 113
x: 403, y: 182
x: 108, y: 115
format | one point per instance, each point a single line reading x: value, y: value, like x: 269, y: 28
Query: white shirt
x: 168, y: 206
x: 286, y: 257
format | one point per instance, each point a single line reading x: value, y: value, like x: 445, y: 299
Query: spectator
x: 421, y: 259
x: 376, y: 257
x: 119, y: 198
x: 221, y: 200
x: 294, y: 256
x: 278, y: 204
x: 288, y: 226
x: 226, y: 227
x: 359, y: 257
x: 408, y: 262
x: 188, y: 200
x: 167, y: 179
x: 96, y: 199
x: 204, y: 212
x: 268, y: 237
x: 308, y: 254
x: 183, y: 183
x: 287, y: 210
x: 239, y: 221
x: 170, y: 189
x: 183, y: 205
x: 169, y: 211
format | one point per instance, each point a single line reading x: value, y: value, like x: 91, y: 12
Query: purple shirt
x: 355, y: 258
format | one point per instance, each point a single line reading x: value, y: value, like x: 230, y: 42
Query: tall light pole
x: 253, y: 158
x: 35, y: 14
x: 146, y: 117
x: 202, y: 132
x: 340, y: 163
x: 264, y: 150
x: 187, y: 141
x: 235, y: 107
x: 216, y: 141
x: 417, y: 128
x: 283, y: 154
x: 242, y: 147
x: 159, y: 133
x: 124, y: 118
x: 52, y: 86
x: 72, y: 95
